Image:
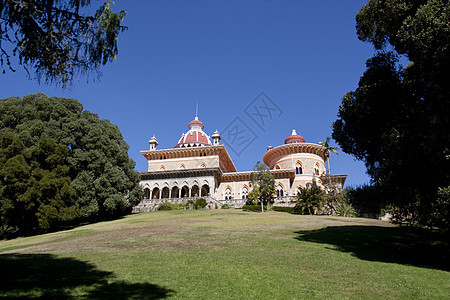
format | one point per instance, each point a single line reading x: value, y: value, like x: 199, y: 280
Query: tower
x: 153, y: 142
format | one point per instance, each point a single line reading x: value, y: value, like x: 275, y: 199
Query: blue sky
x: 303, y: 55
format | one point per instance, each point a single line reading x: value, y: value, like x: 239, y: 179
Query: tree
x: 56, y: 40
x: 253, y: 196
x: 34, y: 184
x: 326, y: 148
x: 263, y: 184
x: 397, y: 120
x: 61, y: 165
x: 310, y: 200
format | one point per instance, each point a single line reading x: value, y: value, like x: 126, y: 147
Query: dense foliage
x: 61, y: 165
x: 286, y: 209
x: 397, y: 120
x: 254, y: 208
x: 310, y: 200
x: 200, y: 203
x: 366, y: 199
x: 55, y: 39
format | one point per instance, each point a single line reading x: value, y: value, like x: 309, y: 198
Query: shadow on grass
x: 384, y: 244
x: 47, y: 276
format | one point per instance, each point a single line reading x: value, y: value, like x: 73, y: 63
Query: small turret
x: 153, y: 142
x: 216, y: 138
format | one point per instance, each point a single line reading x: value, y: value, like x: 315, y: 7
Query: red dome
x: 196, y: 122
x: 294, y: 138
x: 195, y: 137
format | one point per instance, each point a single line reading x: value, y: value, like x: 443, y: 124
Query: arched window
x: 280, y: 192
x: 162, y: 168
x: 182, y: 166
x: 316, y: 169
x: 175, y: 192
x: 146, y: 193
x: 155, y: 193
x: 205, y: 190
x: 277, y: 167
x: 298, y: 168
x: 228, y: 194
x: 245, y: 193
x: 165, y: 193
x: 195, y: 191
x: 184, y: 191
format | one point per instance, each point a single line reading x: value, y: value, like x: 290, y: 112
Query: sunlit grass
x: 228, y: 254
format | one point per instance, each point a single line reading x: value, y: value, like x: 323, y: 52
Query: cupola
x: 294, y: 138
x: 195, y: 137
x: 153, y: 143
x: 216, y: 138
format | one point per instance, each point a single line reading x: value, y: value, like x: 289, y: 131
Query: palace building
x: 200, y: 166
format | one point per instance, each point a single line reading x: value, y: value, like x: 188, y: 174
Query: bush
x: 344, y: 209
x: 226, y: 206
x: 256, y: 208
x: 200, y: 203
x: 283, y: 209
x: 310, y: 200
x: 440, y: 210
x: 165, y: 206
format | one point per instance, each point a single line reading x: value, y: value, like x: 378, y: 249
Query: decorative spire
x: 196, y: 111
x: 294, y: 138
x: 216, y: 137
x: 153, y: 143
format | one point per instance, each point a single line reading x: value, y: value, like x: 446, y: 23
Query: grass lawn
x: 227, y: 254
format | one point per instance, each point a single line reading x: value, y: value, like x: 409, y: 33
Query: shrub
x: 344, y: 209
x: 165, y: 206
x: 283, y: 209
x: 310, y: 200
x: 226, y: 206
x: 440, y: 210
x: 200, y: 203
x: 256, y: 208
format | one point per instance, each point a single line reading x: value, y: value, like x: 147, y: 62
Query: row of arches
x: 228, y: 193
x: 245, y: 191
x: 177, y: 192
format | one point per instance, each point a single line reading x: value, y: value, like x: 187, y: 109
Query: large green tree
x: 60, y: 164
x: 58, y: 39
x: 397, y: 120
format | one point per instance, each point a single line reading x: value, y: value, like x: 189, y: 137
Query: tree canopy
x: 263, y: 184
x: 56, y: 39
x: 397, y: 120
x: 60, y: 164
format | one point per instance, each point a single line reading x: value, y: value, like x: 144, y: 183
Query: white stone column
x: 179, y: 193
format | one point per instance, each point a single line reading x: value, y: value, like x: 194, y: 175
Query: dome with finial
x: 195, y: 122
x: 195, y: 137
x: 294, y: 138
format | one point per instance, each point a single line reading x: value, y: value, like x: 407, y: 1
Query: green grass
x: 227, y: 254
